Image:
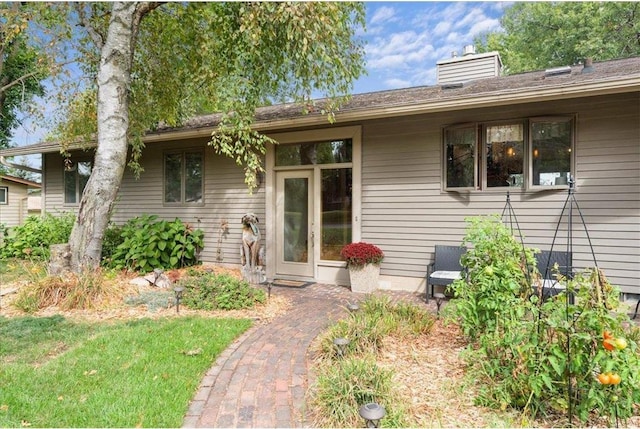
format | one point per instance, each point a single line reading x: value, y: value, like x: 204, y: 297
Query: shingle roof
x: 613, y: 76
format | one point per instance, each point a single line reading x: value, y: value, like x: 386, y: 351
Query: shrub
x: 497, y: 275
x: 208, y: 291
x: 110, y: 242
x: 148, y: 244
x: 73, y: 291
x: 542, y: 357
x: 33, y: 238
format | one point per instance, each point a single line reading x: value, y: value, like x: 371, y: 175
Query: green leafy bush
x: 543, y: 357
x: 208, y: 291
x: 32, y: 239
x: 110, y: 242
x: 497, y: 275
x: 148, y: 244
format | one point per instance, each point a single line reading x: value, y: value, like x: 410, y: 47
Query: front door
x: 294, y: 223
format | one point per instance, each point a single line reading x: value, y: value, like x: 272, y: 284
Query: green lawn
x: 59, y: 373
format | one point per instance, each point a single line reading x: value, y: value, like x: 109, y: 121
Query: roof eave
x: 465, y: 101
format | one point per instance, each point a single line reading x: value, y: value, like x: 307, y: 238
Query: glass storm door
x: 294, y: 212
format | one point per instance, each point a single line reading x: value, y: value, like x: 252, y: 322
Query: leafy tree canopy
x: 21, y: 68
x: 192, y: 58
x: 540, y: 35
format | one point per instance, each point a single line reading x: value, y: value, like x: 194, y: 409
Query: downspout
x: 6, y: 163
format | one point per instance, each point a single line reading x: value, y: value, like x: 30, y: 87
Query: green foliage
x: 540, y: 356
x: 208, y: 291
x: 496, y: 268
x: 21, y: 70
x: 149, y: 244
x: 539, y: 35
x: 123, y: 374
x: 153, y: 300
x: 110, y: 242
x: 346, y: 382
x: 350, y: 383
x: 33, y: 238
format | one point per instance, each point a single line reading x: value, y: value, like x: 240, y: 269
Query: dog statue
x: 251, y: 252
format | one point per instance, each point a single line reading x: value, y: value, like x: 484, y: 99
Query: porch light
x: 341, y: 345
x: 372, y: 413
x: 178, y: 291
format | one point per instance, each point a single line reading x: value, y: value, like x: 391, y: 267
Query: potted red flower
x: 363, y: 261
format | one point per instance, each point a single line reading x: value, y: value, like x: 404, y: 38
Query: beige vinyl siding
x: 405, y: 212
x: 225, y: 197
x: 15, y: 212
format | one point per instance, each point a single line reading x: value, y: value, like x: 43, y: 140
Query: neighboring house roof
x: 607, y: 77
x: 21, y: 181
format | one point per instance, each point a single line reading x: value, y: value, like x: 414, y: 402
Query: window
x: 4, y: 195
x: 76, y: 176
x: 183, y: 173
x: 508, y: 154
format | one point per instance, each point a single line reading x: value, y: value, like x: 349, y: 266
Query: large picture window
x: 520, y: 154
x: 183, y: 173
x: 76, y: 176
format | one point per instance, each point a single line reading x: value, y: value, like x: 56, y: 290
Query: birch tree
x: 161, y: 64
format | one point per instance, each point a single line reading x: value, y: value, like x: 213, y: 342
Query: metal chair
x: 546, y: 261
x: 445, y: 268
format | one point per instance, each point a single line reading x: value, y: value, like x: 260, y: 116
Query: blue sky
x: 404, y: 40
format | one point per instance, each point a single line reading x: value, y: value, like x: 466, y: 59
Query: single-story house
x: 15, y: 201
x: 402, y: 169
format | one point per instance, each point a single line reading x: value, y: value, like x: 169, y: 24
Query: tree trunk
x: 114, y: 76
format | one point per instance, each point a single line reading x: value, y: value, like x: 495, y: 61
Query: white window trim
x: 78, y: 191
x: 4, y: 190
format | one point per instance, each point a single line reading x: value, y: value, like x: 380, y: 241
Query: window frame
x: 78, y: 191
x: 183, y: 179
x: 572, y: 158
x: 4, y: 190
x: 480, y: 156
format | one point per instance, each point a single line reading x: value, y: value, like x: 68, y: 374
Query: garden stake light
x: 372, y: 413
x: 439, y: 299
x: 178, y: 291
x: 353, y: 307
x: 341, y: 345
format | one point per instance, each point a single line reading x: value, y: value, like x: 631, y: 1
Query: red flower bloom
x: 361, y: 254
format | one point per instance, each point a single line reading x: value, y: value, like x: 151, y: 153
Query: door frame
x: 295, y: 269
x: 332, y: 272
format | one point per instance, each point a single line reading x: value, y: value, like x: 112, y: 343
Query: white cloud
x: 382, y: 15
x: 395, y: 83
x: 442, y: 28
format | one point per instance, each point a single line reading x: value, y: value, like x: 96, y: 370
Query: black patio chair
x: 546, y: 261
x: 445, y: 268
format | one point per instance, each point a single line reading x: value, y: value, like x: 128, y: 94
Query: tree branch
x: 142, y: 9
x: 21, y: 79
x: 86, y: 23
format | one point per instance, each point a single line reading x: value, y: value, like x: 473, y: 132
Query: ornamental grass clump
x: 360, y: 254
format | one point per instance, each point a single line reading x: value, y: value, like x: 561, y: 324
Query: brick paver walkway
x: 261, y: 379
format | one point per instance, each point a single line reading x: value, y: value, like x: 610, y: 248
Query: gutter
x: 6, y: 163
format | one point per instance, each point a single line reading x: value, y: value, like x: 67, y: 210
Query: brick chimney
x: 469, y: 66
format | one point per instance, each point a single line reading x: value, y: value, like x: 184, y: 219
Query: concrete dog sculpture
x: 251, y: 250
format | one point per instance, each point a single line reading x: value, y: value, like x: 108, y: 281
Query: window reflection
x: 336, y: 212
x: 551, y: 152
x: 333, y: 152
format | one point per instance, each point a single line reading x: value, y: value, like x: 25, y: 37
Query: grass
x: 344, y: 383
x: 59, y: 373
